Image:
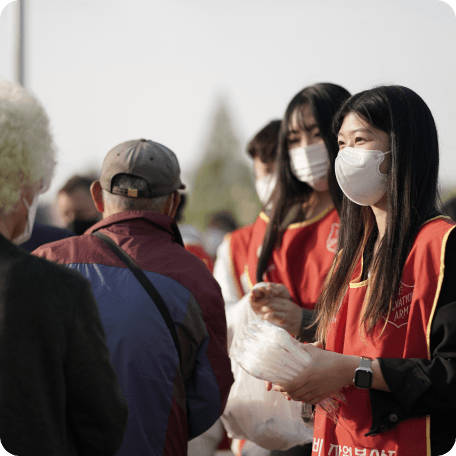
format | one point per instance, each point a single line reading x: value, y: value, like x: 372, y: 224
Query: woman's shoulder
x: 297, y: 220
x: 435, y: 238
x: 435, y: 228
x: 241, y: 235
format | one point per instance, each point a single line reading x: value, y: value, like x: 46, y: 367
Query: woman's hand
x: 326, y: 374
x: 269, y: 290
x: 273, y: 303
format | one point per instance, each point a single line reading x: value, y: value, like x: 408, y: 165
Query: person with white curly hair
x: 27, y: 160
x: 59, y: 394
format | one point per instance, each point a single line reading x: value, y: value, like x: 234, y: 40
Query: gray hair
x: 27, y: 151
x: 126, y: 203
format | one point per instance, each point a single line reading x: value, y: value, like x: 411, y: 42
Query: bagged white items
x: 268, y: 352
x: 263, y: 417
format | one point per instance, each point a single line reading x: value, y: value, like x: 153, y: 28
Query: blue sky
x: 112, y: 70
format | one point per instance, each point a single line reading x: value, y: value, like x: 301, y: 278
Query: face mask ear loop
x: 171, y: 205
x: 31, y: 213
x: 24, y: 200
x: 383, y: 159
x: 27, y: 205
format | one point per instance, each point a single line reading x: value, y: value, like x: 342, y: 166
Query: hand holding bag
x: 263, y: 417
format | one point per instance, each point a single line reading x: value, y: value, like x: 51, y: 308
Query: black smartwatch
x: 363, y: 374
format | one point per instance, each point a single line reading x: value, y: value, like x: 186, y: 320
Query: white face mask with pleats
x: 358, y: 175
x: 309, y: 163
x: 265, y: 186
x: 27, y: 233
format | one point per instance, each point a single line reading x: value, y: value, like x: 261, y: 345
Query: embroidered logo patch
x: 331, y: 242
x: 400, y: 311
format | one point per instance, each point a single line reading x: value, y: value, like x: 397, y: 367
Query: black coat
x: 59, y: 394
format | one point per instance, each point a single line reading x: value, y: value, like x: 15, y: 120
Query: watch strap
x: 365, y: 362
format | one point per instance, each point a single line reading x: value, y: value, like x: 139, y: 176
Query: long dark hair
x: 324, y: 101
x: 412, y: 199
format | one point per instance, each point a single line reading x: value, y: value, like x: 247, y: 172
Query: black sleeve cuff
x: 386, y: 412
x: 405, y: 379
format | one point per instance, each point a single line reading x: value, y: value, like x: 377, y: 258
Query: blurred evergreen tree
x: 223, y: 180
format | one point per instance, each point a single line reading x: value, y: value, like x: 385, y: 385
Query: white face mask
x: 358, y: 175
x: 27, y: 233
x: 310, y: 163
x: 265, y: 186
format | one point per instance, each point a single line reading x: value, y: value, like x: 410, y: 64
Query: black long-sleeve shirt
x: 420, y: 387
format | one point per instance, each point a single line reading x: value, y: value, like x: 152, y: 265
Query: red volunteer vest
x: 198, y: 250
x: 406, y: 335
x: 302, y: 259
x: 239, y: 243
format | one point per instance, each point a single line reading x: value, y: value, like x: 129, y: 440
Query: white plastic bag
x: 263, y: 417
x: 268, y: 352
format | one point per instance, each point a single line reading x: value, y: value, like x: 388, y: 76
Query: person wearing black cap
x: 171, y: 398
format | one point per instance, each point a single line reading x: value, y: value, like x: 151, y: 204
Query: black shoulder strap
x: 148, y: 286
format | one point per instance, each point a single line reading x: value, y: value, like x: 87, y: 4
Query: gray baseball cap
x: 152, y: 161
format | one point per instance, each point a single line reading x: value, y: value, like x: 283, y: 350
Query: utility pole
x: 20, y: 41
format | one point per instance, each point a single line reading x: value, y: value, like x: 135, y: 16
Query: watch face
x: 363, y: 379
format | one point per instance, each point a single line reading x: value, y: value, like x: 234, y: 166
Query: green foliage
x: 223, y: 181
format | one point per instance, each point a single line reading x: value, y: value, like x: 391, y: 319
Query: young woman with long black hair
x: 295, y: 243
x: 294, y: 239
x: 386, y: 317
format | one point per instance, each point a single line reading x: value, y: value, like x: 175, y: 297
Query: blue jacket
x: 167, y: 407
